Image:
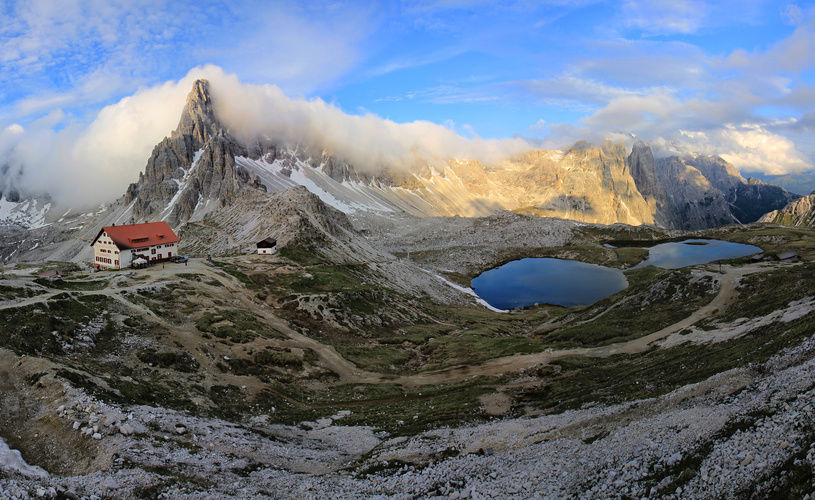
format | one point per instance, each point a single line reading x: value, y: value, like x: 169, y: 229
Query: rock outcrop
x: 642, y: 166
x: 692, y: 200
x: 748, y: 199
x: 798, y: 213
x: 196, y: 163
x: 721, y: 174
x: 588, y: 183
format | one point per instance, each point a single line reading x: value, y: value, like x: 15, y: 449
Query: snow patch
x: 182, y: 184
x: 348, y: 196
x: 11, y: 459
x: 25, y: 213
x: 468, y: 291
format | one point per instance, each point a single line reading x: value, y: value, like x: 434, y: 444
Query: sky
x: 87, y: 88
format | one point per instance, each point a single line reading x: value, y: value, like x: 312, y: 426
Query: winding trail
x: 350, y: 373
x: 515, y: 362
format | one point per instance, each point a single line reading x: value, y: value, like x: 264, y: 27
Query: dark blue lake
x: 692, y: 252
x: 527, y: 282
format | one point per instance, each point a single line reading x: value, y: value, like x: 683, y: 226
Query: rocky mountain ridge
x: 197, y: 162
x: 798, y: 213
x: 201, y: 168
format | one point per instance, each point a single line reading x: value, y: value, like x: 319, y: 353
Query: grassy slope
x: 415, y: 335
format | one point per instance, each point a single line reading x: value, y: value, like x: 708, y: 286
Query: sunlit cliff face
x: 95, y: 164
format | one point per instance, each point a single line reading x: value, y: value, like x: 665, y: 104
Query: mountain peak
x: 198, y: 118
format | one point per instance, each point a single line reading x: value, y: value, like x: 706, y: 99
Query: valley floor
x: 224, y: 378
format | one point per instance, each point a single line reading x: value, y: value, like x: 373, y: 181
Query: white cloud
x: 675, y: 125
x: 81, y: 166
x: 76, y: 54
x: 573, y: 88
x: 301, y: 50
x: 15, y: 128
x: 750, y: 148
x: 792, y: 14
x: 790, y: 56
x: 660, y: 17
x: 656, y: 16
x: 85, y: 165
x: 366, y: 141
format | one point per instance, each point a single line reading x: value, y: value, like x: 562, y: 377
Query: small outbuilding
x: 53, y: 274
x: 790, y: 256
x: 267, y: 246
x: 138, y: 263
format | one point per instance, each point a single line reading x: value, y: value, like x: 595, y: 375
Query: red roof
x: 139, y: 235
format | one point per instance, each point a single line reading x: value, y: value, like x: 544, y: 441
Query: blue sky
x: 735, y: 78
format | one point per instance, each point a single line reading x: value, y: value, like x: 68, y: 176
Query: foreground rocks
x: 749, y: 431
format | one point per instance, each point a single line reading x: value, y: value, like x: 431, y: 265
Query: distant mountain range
x: 802, y: 183
x: 201, y: 169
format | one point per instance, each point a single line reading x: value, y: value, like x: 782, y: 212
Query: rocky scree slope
x: 799, y: 213
x: 307, y: 229
x: 747, y: 432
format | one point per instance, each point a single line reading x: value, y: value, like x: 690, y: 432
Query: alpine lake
x: 531, y: 281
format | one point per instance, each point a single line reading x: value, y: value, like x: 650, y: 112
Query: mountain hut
x: 267, y: 246
x: 118, y: 246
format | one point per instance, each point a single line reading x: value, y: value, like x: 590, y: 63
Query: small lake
x: 567, y: 283
x: 693, y: 252
x: 527, y: 282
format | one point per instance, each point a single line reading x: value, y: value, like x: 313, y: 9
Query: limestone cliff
x: 798, y: 213
x: 195, y: 164
x: 692, y: 200
x: 748, y: 199
x: 586, y: 182
x: 721, y: 174
x: 642, y: 166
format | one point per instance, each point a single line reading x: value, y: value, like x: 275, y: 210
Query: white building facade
x: 117, y: 246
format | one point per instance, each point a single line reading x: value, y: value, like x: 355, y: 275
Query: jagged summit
x: 194, y: 166
x: 198, y: 119
x: 200, y: 168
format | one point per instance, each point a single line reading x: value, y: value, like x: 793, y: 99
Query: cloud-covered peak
x: 97, y: 163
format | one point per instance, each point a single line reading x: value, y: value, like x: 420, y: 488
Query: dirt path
x: 350, y: 373
x: 516, y: 362
x: 329, y: 357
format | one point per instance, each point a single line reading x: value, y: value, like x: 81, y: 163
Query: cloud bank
x: 366, y: 141
x: 82, y: 166
x: 79, y: 166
